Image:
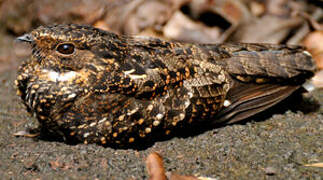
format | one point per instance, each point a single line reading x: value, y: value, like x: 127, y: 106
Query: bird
x: 94, y: 86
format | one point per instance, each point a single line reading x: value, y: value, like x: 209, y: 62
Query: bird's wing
x: 261, y: 76
x: 270, y: 61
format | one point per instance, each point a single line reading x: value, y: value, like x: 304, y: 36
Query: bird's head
x: 66, y: 60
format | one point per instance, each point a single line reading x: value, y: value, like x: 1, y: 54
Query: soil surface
x: 276, y: 144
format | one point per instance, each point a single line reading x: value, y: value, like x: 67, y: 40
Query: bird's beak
x: 25, y: 38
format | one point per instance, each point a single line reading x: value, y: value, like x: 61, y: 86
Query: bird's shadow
x: 298, y: 101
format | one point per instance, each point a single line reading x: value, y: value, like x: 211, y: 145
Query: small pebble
x: 270, y: 171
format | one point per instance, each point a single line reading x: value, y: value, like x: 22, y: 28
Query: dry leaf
x: 275, y: 32
x: 181, y: 28
x: 314, y: 165
x: 313, y: 43
x: 26, y: 134
x: 179, y: 177
x: 317, y: 80
x: 155, y: 168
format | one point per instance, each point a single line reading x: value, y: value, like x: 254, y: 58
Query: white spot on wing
x: 159, y: 116
x: 136, y: 76
x: 181, y: 116
x: 150, y: 107
x: 156, y: 123
x: 226, y: 103
x: 132, y: 111
x: 102, y: 120
x: 307, y: 53
x: 71, y: 96
x: 92, y: 124
x: 129, y: 71
x: 187, y: 103
x: 85, y: 135
x: 309, y: 86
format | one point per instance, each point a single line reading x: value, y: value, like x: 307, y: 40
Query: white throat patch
x: 58, y: 77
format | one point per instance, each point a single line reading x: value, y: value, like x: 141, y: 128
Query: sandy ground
x: 274, y: 145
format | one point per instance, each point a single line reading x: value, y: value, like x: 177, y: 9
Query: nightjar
x: 93, y: 86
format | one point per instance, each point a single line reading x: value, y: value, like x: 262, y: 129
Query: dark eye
x: 67, y: 48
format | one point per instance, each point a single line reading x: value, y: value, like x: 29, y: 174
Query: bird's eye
x: 66, y: 48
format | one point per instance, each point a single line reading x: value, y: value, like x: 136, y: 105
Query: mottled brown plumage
x: 96, y: 86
